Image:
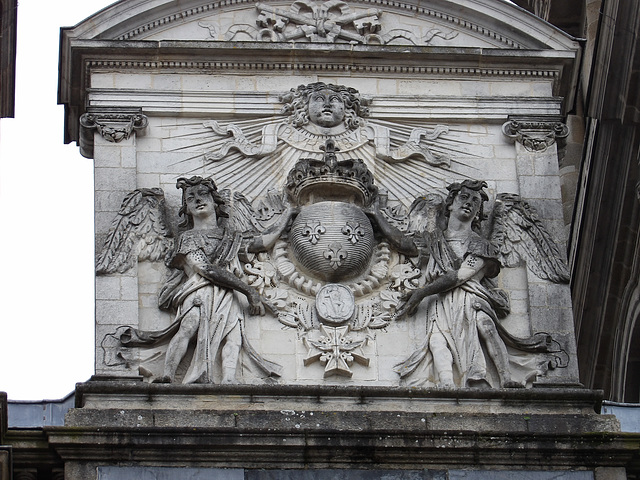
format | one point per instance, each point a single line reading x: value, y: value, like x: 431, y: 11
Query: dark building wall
x: 8, y: 24
x: 606, y: 219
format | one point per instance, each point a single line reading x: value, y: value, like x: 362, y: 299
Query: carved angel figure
x: 201, y: 288
x: 464, y: 307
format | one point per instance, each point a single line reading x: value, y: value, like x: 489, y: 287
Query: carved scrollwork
x: 114, y: 127
x: 535, y: 136
x: 330, y: 21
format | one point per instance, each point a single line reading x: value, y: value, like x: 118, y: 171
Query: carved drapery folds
x: 536, y: 135
x: 113, y: 125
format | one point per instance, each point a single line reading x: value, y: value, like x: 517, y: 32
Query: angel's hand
x: 408, y: 304
x: 259, y: 305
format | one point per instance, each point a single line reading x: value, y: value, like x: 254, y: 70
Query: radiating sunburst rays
x: 255, y: 176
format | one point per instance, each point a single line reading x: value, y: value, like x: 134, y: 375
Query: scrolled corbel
x: 535, y: 135
x: 113, y: 125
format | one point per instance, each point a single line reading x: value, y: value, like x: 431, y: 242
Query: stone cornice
x: 497, y: 22
x: 447, y: 71
x: 304, y: 58
x: 278, y: 426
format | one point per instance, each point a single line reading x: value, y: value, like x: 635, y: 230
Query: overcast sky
x: 46, y: 210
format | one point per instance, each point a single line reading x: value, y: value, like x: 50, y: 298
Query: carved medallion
x: 335, y: 304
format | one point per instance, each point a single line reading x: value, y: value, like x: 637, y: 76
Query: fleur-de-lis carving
x: 354, y: 234
x: 335, y: 254
x: 313, y: 231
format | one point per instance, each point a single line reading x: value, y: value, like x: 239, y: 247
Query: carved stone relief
x: 535, y: 136
x: 326, y: 22
x: 114, y: 126
x: 334, y: 258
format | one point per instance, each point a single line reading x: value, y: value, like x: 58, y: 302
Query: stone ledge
x: 101, y: 392
x: 338, y: 449
x: 318, y: 427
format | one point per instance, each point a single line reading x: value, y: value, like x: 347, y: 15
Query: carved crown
x: 312, y: 180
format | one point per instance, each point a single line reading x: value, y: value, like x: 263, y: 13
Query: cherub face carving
x: 326, y: 108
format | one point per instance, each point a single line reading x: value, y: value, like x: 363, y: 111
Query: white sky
x: 46, y: 213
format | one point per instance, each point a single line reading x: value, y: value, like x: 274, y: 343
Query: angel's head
x: 325, y: 105
x: 200, y: 198
x: 469, y: 198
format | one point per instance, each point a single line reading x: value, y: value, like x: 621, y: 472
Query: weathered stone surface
x: 414, y: 430
x: 282, y: 105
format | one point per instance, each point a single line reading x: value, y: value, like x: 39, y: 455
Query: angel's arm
x: 471, y: 267
x: 197, y: 262
x: 395, y: 237
x: 268, y: 238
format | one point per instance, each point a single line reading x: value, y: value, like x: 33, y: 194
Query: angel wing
x: 521, y: 237
x: 139, y: 232
x: 247, y: 218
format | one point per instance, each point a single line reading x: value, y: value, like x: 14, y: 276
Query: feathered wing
x: 247, y: 218
x: 139, y: 232
x: 521, y: 237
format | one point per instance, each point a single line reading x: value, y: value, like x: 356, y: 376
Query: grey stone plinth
x: 281, y: 427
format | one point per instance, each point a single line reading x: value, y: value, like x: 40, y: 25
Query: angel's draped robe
x: 220, y: 308
x: 454, y: 314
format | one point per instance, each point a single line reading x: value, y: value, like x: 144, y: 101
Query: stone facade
x: 329, y: 239
x: 410, y: 80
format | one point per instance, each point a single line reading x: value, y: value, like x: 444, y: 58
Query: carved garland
x: 377, y: 273
x: 114, y: 127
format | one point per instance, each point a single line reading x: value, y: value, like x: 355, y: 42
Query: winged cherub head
x: 325, y: 105
x: 473, y: 191
x: 198, y: 194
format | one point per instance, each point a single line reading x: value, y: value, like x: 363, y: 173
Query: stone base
x: 280, y: 428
